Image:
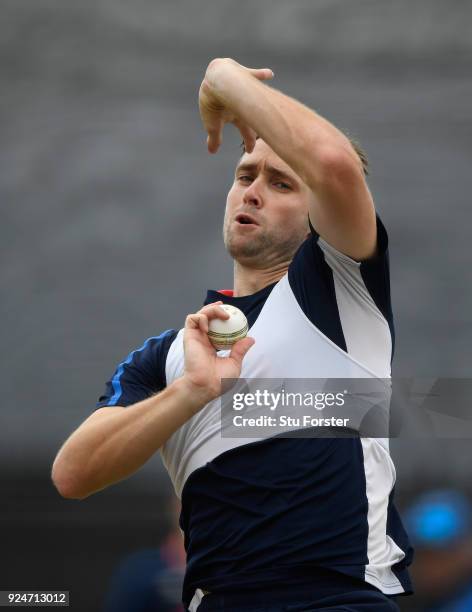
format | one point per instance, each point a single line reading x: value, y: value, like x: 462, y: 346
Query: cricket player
x: 282, y: 523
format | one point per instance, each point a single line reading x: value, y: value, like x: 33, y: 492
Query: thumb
x: 240, y: 348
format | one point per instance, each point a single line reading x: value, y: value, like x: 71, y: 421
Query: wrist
x: 219, y: 73
x: 195, y: 396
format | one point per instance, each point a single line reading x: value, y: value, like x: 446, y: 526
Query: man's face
x: 266, y: 217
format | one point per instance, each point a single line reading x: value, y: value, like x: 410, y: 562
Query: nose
x: 252, y: 195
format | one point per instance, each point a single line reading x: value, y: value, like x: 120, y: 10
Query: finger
x: 263, y: 74
x: 218, y: 303
x: 240, y: 348
x: 197, y: 321
x: 213, y: 143
x: 215, y: 135
x: 249, y: 136
x: 213, y: 311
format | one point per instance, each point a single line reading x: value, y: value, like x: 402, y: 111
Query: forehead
x: 262, y: 156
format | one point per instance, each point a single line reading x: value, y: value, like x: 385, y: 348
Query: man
x: 282, y: 523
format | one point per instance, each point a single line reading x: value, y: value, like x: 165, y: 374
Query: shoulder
x: 343, y: 297
x: 140, y: 374
x: 317, y: 264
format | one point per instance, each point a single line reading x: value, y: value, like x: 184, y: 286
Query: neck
x: 250, y: 280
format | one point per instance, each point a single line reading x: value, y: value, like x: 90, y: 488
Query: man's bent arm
x: 114, y: 442
x: 322, y: 156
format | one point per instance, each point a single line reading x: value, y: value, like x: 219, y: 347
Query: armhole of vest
x: 164, y: 352
x: 312, y: 283
x: 375, y: 274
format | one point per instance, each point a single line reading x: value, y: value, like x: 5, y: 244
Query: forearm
x: 111, y: 446
x: 307, y: 142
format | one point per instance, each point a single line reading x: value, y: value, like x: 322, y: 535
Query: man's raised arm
x: 342, y: 210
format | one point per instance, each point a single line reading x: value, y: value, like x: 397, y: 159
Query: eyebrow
x: 272, y: 170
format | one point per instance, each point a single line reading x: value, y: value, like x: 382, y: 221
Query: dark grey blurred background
x: 111, y: 215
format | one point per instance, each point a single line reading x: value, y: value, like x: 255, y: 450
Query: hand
x: 214, y: 112
x: 204, y: 369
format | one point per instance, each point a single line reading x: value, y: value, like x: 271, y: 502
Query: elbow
x: 67, y: 485
x: 339, y: 166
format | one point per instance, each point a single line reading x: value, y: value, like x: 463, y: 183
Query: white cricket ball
x: 223, y: 333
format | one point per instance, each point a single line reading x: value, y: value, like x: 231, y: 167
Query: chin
x: 242, y: 247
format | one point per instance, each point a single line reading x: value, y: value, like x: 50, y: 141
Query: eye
x: 282, y: 185
x: 245, y: 178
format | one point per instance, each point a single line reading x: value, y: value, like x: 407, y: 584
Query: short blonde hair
x: 361, y: 154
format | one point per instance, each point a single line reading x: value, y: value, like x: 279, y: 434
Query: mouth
x: 244, y: 219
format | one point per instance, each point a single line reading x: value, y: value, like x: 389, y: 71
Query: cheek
x: 293, y: 214
x: 225, y: 222
x: 229, y: 210
x: 231, y: 200
x: 300, y: 215
x: 291, y: 221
